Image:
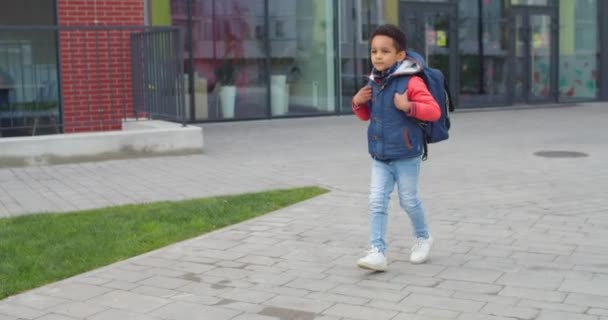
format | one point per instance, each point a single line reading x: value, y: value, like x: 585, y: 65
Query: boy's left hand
x: 402, y: 102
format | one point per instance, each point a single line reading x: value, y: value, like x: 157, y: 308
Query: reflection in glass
x: 533, y: 58
x: 428, y: 34
x: 521, y: 37
x: 436, y: 42
x: 540, y: 56
x: 369, y: 16
x: 229, y: 59
x: 357, y: 18
x: 578, y: 76
x: 302, y: 79
x: 483, y: 52
x: 530, y: 2
x: 29, y: 91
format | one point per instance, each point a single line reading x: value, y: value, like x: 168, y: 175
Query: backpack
x: 435, y: 81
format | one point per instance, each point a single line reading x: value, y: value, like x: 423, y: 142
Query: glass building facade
x: 28, y: 64
x: 281, y: 58
x: 253, y: 59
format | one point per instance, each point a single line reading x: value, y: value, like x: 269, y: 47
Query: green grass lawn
x: 39, y: 249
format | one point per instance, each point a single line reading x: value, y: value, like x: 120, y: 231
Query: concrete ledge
x: 137, y: 139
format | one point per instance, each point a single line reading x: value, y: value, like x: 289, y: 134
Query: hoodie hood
x: 408, y: 66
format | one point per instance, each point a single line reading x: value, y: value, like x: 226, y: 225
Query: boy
x: 394, y: 99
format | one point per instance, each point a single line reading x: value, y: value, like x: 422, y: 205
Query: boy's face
x: 384, y: 54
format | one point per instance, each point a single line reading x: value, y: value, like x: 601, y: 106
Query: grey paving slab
x: 518, y: 236
x: 510, y: 311
x: 359, y: 312
x: 54, y: 317
x: 555, y: 306
x: 553, y: 315
x: 113, y: 314
x: 534, y: 294
x: 76, y: 309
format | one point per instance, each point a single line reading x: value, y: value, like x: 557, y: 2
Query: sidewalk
x: 518, y: 236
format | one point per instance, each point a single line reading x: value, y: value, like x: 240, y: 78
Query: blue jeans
x: 385, y: 174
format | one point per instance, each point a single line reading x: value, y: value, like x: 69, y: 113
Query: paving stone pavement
x: 518, y: 236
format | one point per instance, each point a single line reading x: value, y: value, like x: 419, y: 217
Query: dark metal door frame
x: 59, y: 65
x: 451, y: 9
x: 603, y: 46
x: 525, y: 12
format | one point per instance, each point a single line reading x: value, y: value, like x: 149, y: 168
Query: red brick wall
x: 96, y: 65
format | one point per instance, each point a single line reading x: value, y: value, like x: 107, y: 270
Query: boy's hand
x: 363, y: 96
x: 402, y: 102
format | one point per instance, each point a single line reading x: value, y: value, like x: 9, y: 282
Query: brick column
x: 96, y: 65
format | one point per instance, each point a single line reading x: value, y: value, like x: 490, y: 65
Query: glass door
x: 533, y: 55
x: 431, y: 31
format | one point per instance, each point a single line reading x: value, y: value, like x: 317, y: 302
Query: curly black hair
x: 393, y: 32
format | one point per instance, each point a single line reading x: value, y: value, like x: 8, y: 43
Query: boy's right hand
x: 363, y: 96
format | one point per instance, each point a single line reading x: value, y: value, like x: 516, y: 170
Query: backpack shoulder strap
x: 448, y: 95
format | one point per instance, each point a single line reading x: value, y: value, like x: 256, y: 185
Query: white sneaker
x: 421, y: 250
x: 374, y: 260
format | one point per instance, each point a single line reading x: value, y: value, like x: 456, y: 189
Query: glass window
x: 29, y: 91
x: 229, y: 57
x: 230, y: 48
x: 483, y: 55
x: 302, y: 40
x: 530, y: 2
x: 370, y: 17
x: 578, y: 72
x: 239, y: 76
x: 354, y: 60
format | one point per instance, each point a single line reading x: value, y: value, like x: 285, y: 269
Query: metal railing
x: 158, y: 75
x: 56, y: 79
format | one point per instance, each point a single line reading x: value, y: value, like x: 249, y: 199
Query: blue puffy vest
x: 391, y: 134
